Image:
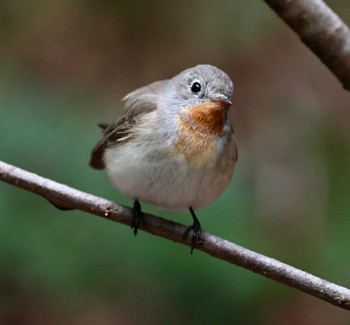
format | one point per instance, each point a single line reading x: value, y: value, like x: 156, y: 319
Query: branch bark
x: 66, y: 197
x: 320, y: 29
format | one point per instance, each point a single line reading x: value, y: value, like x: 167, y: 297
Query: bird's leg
x: 137, y: 216
x: 196, y: 230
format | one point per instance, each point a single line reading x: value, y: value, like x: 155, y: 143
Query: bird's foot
x: 196, y: 231
x: 137, y: 219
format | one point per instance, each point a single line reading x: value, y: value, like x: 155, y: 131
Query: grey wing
x: 137, y: 103
x: 112, y: 134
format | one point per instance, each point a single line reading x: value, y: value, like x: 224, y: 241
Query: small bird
x: 174, y: 146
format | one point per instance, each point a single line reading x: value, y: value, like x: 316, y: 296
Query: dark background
x: 65, y: 65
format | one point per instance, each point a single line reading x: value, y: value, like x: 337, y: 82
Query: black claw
x: 195, y: 229
x: 137, y: 217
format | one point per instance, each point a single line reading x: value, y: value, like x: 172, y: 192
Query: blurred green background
x: 65, y: 65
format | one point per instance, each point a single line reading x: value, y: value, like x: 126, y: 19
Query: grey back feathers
x: 137, y: 103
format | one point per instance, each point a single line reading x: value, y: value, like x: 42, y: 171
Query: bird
x: 174, y: 146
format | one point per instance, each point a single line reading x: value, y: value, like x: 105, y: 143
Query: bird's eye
x: 196, y: 87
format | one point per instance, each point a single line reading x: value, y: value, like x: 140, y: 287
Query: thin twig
x: 69, y: 198
x: 321, y: 30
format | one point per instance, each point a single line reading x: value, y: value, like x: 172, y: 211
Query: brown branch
x: 321, y: 30
x: 66, y: 197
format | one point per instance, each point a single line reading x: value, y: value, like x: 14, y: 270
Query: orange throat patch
x: 207, y: 118
x: 197, y: 133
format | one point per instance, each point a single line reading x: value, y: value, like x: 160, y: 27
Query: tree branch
x: 321, y: 30
x: 69, y: 198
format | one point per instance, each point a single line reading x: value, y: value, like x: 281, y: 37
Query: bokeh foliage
x: 64, y: 67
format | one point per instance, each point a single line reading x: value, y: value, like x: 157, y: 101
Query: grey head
x: 197, y: 85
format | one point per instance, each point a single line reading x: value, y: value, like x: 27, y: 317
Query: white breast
x: 148, y: 173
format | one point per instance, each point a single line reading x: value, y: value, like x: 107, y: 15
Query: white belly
x: 163, y: 181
